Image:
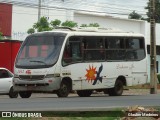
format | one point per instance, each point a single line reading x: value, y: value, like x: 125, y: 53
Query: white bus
x: 81, y: 60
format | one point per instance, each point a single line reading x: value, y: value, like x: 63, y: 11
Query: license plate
x: 30, y: 87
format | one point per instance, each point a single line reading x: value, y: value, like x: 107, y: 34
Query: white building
x: 24, y: 17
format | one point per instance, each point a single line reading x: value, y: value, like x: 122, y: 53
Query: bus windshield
x: 39, y: 51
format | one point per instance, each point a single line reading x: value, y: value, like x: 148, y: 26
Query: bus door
x: 72, y: 61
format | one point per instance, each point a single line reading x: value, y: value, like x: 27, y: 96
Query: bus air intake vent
x: 31, y: 77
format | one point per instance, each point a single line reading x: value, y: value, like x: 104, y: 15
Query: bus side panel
x: 117, y: 69
x: 139, y: 72
x: 98, y: 75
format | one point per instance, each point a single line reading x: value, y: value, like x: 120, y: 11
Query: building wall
x: 5, y: 19
x: 137, y: 26
x: 25, y: 17
x: 8, y: 50
x: 109, y: 22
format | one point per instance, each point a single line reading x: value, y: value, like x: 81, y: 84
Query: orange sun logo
x: 91, y: 73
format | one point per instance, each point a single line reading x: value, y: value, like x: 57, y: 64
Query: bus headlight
x: 16, y: 76
x: 49, y: 76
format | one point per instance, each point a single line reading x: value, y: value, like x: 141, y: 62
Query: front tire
x: 12, y: 93
x: 84, y: 93
x: 117, y: 90
x: 64, y: 90
x: 25, y: 94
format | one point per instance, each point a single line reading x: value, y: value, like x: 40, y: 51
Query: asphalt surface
x: 98, y: 101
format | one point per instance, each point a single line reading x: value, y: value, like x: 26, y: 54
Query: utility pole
x: 153, y: 73
x: 39, y: 10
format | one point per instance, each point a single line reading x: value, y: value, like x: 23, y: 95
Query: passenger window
x: 93, y: 48
x: 115, y: 48
x: 133, y: 44
x: 135, y: 49
x: 114, y: 43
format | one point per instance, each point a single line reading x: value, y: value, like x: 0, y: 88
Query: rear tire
x: 64, y: 90
x: 12, y: 93
x: 84, y: 93
x: 117, y: 90
x: 25, y: 94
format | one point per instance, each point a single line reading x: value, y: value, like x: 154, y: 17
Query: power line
x: 60, y: 8
x: 34, y: 5
x: 103, y: 4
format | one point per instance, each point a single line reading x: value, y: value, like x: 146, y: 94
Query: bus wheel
x: 117, y: 90
x: 12, y: 93
x: 25, y: 94
x: 63, y: 91
x: 84, y: 93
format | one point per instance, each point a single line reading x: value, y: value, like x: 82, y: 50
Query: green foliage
x: 42, y: 25
x: 157, y: 11
x: 83, y: 25
x: 93, y: 25
x: 1, y: 35
x: 90, y: 25
x: 69, y: 24
x: 134, y: 15
x: 55, y: 23
x: 31, y: 31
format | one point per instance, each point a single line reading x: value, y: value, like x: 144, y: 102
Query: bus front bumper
x: 46, y: 85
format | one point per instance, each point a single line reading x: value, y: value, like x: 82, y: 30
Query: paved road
x: 50, y: 102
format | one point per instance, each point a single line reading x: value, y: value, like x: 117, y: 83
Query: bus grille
x: 31, y: 77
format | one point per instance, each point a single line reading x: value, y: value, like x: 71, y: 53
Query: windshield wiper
x: 38, y: 61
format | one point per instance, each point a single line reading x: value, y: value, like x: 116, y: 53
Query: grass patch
x: 84, y: 114
x: 76, y: 115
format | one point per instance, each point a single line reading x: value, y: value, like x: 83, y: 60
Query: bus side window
x: 94, y: 48
x: 135, y: 49
x: 115, y: 48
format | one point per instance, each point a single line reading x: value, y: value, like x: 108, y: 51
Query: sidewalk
x: 138, y: 91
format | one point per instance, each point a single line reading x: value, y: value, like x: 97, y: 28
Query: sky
x: 110, y: 7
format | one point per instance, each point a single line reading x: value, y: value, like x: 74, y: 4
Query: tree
x: 134, y: 15
x: 55, y: 23
x: 69, y: 24
x: 42, y: 25
x: 157, y: 11
x: 31, y: 31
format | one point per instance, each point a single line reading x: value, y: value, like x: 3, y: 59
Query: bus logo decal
x: 28, y: 72
x: 93, y: 75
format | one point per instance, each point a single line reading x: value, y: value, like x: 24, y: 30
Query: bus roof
x: 94, y: 31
